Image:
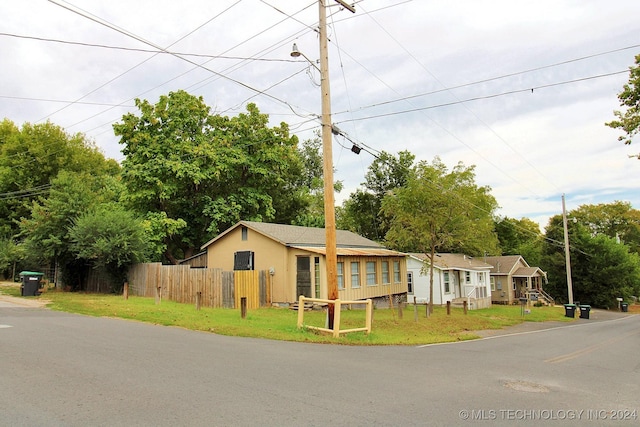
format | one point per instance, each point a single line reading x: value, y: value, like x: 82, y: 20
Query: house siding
x: 458, y: 284
x: 281, y: 260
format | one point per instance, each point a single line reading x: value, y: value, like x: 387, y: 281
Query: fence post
x: 198, y: 300
x: 125, y: 290
x: 464, y: 306
x: 158, y: 294
x: 300, y: 310
x: 243, y: 307
x: 336, y: 318
x: 400, y: 310
x: 415, y: 310
x: 448, y: 308
x: 369, y: 319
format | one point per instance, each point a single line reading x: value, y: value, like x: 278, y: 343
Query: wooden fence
x: 217, y: 288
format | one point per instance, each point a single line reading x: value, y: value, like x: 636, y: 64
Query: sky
x: 519, y: 90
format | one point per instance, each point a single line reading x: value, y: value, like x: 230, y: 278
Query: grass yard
x: 280, y: 323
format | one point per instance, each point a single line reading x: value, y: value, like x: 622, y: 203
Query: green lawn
x: 280, y: 323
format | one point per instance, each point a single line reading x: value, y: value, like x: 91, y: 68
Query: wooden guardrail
x: 336, y: 331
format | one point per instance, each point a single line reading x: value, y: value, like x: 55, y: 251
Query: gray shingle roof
x: 457, y: 261
x: 294, y: 235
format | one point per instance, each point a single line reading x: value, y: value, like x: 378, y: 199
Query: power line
x: 102, y: 104
x: 490, y: 79
x: 478, y: 98
x: 154, y: 51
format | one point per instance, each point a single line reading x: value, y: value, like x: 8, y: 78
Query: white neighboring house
x: 457, y: 278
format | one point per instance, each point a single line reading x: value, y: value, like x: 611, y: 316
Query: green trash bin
x: 570, y: 310
x: 30, y: 283
x: 584, y: 311
x: 624, y: 307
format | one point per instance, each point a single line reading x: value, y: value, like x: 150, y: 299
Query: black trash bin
x: 624, y: 307
x: 30, y: 283
x: 570, y: 310
x: 584, y: 311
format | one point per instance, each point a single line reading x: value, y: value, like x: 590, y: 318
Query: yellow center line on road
x: 590, y: 349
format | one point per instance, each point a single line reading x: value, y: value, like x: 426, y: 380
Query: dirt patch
x: 20, y: 301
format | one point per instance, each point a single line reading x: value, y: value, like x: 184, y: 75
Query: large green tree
x: 520, y: 237
x: 629, y: 120
x: 438, y: 210
x: 110, y: 238
x: 360, y: 213
x: 618, y: 220
x: 209, y: 171
x: 602, y: 268
x: 31, y: 157
x: 46, y: 233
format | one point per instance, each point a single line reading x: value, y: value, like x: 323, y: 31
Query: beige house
x: 295, y: 258
x: 512, y: 278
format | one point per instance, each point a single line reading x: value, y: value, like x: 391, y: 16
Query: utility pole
x: 331, y: 256
x: 567, y: 256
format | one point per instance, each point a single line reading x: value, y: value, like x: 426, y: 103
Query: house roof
x: 352, y: 251
x: 454, y: 261
x: 298, y: 236
x: 504, y: 264
x: 529, y: 272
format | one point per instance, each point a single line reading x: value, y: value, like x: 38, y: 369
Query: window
x: 513, y: 281
x: 340, y: 266
x: 385, y: 272
x: 243, y: 260
x: 410, y: 282
x: 467, y: 277
x: 245, y: 233
x: 481, y: 278
x: 372, y: 280
x: 493, y: 283
x: 396, y: 271
x: 447, y: 286
x: 355, y: 275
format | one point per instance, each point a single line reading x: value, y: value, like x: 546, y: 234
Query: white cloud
x: 529, y: 147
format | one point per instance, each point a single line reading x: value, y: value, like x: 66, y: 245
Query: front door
x: 303, y: 276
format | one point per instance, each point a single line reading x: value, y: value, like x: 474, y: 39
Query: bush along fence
x: 209, y: 287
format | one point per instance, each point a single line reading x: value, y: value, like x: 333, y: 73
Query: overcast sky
x: 519, y: 89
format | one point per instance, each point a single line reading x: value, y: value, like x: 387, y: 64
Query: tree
x: 617, y: 220
x: 361, y: 212
x: 520, y: 237
x: 31, y: 157
x: 46, y: 232
x: 438, y: 210
x: 602, y: 268
x: 208, y: 171
x: 629, y: 121
x: 310, y: 187
x: 10, y: 254
x: 111, y: 238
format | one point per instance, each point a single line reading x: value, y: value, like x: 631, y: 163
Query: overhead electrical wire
x: 478, y: 98
x: 85, y: 14
x: 139, y: 50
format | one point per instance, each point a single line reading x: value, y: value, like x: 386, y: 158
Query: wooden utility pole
x: 567, y: 256
x: 331, y: 257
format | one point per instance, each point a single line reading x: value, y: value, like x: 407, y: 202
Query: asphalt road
x: 59, y: 369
